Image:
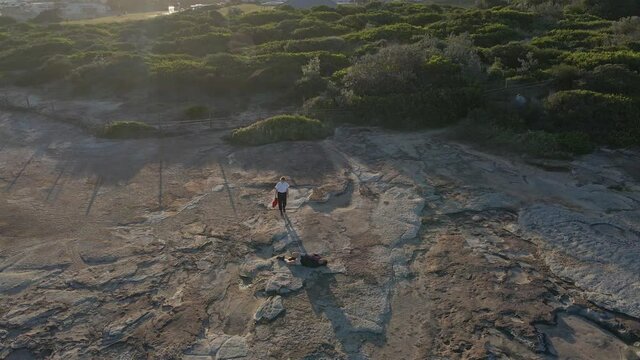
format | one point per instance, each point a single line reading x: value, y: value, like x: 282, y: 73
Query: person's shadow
x: 293, y: 234
x: 318, y: 285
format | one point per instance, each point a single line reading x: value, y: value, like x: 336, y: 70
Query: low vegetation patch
x: 127, y: 130
x: 507, y: 131
x: 280, y: 128
x: 196, y: 112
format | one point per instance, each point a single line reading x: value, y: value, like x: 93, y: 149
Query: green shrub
x: 196, y: 112
x: 333, y: 44
x: 612, y: 78
x: 508, y: 54
x: 318, y: 30
x: 345, y: 10
x: 355, y: 21
x: 287, y: 26
x: 606, y: 118
x: 471, y: 20
x: 480, y: 128
x: 422, y: 19
x: 402, y: 32
x: 6, y: 20
x: 565, y: 76
x: 198, y: 45
x: 265, y: 17
x: 280, y: 128
x: 34, y: 54
x: 56, y: 67
x: 177, y: 73
x: 377, y: 18
x: 613, y: 9
x: 591, y: 59
x: 423, y: 109
x: 127, y: 130
x: 494, y: 34
x: 331, y: 16
x: 570, y: 39
x: 577, y: 143
x: 536, y: 143
x: 391, y: 70
x: 228, y: 63
x: 119, y: 73
x: 597, y: 24
x: 513, y: 18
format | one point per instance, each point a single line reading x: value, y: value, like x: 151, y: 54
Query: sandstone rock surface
x: 164, y: 248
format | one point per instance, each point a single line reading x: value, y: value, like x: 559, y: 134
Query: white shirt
x: 282, y: 186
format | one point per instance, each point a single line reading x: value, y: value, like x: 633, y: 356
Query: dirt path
x: 165, y: 248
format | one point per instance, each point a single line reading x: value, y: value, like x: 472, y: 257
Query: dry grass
x: 246, y: 8
x: 118, y: 18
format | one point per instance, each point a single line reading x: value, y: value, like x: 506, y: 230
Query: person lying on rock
x: 313, y: 260
x: 282, y: 189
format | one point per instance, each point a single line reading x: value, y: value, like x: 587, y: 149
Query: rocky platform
x: 165, y: 248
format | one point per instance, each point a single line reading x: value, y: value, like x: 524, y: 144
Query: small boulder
x: 269, y: 310
x: 251, y: 268
x: 196, y: 228
x: 234, y: 348
x: 283, y: 283
x: 195, y: 244
x: 208, y: 345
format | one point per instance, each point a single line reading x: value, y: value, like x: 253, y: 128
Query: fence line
x: 211, y: 122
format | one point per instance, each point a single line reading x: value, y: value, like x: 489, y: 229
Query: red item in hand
x: 274, y: 203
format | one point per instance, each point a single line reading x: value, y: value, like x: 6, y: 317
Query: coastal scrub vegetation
x: 280, y: 128
x: 560, y: 76
x: 127, y: 130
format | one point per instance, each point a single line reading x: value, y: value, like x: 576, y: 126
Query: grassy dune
x: 118, y: 18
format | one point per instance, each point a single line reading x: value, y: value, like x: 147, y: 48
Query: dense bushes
x: 34, y: 54
x: 494, y: 34
x: 614, y: 79
x: 613, y: 9
x: 408, y: 86
x: 401, y: 32
x: 266, y: 17
x: 396, y: 64
x: 198, y: 45
x: 605, y: 118
x: 391, y: 70
x: 592, y: 59
x: 570, y: 39
x: 177, y: 73
x: 508, y: 133
x: 333, y: 44
x: 54, y: 68
x: 318, y: 29
x: 119, y: 73
x: 428, y: 108
x: 280, y: 128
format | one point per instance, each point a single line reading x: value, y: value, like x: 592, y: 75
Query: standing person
x: 282, y: 189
